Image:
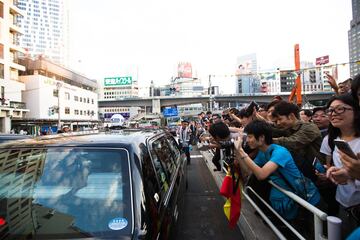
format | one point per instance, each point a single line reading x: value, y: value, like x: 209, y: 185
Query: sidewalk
x: 251, y: 226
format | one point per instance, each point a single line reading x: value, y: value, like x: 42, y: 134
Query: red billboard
x: 184, y: 70
x: 322, y: 60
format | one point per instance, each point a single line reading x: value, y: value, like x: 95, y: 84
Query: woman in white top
x: 344, y: 116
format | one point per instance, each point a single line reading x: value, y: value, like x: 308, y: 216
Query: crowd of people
x: 295, y: 148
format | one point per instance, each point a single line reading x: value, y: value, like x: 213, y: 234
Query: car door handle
x: 156, y: 197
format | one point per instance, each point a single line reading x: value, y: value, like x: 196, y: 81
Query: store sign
x: 118, y: 81
x: 322, y: 60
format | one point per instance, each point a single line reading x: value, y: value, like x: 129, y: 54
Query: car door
x: 167, y: 171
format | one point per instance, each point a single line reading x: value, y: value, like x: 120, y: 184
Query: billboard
x: 118, y: 81
x: 184, y: 70
x: 246, y: 64
x: 322, y: 60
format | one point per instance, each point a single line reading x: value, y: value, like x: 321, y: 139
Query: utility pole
x: 210, y: 94
x: 58, y: 86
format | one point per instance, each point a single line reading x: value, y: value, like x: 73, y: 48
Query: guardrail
x: 333, y: 223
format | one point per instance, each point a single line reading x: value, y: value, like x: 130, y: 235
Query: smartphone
x: 318, y: 166
x: 345, y: 148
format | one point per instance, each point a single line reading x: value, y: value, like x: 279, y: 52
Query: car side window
x: 174, y: 149
x: 160, y: 172
x: 151, y: 184
x: 164, y: 154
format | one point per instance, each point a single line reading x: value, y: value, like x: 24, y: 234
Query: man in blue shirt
x: 275, y: 162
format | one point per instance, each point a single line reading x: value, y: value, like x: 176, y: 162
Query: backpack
x: 305, y: 166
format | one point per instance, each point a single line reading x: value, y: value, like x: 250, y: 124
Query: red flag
x: 232, y: 206
x: 226, y: 186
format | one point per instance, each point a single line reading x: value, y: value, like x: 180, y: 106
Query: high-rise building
x: 354, y: 38
x: 46, y: 29
x: 11, y: 105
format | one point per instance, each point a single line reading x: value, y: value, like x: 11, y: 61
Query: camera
x: 250, y: 109
x: 229, y: 148
x: 229, y: 154
x: 226, y: 117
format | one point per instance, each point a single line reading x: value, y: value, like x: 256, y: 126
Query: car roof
x: 114, y: 138
x: 13, y: 136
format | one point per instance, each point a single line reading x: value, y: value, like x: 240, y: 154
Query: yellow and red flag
x: 231, y: 190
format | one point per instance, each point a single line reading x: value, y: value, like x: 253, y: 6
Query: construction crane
x: 296, y: 90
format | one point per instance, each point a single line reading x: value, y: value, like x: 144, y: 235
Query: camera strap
x: 235, y: 180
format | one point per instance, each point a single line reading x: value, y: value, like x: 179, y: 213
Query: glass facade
x: 45, y: 29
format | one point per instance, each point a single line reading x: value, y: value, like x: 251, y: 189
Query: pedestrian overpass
x: 156, y: 103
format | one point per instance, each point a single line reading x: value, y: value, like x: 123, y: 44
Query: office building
x: 54, y: 93
x: 46, y: 30
x: 354, y: 39
x: 11, y: 104
x: 117, y: 88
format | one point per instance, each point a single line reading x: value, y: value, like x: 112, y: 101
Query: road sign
x: 170, y: 112
x: 322, y: 60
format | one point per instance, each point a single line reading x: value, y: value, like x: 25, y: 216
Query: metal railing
x: 333, y: 223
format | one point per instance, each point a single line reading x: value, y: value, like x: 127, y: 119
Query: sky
x: 147, y: 38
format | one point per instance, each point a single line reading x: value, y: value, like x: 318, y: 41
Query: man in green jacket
x: 304, y: 139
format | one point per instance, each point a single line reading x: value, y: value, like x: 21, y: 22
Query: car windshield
x: 64, y: 192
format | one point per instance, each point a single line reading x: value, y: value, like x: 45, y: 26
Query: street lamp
x: 58, y: 86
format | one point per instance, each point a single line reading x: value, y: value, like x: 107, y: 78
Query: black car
x: 125, y: 185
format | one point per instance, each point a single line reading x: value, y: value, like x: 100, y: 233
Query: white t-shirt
x: 349, y: 194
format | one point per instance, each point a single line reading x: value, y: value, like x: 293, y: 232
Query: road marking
x: 196, y: 156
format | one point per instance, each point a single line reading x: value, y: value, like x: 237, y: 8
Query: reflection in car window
x: 174, y: 149
x: 160, y: 173
x: 76, y: 190
x: 164, y: 154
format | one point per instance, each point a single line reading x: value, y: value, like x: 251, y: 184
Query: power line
x: 289, y: 70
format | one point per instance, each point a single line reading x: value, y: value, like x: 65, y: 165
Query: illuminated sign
x: 118, y: 81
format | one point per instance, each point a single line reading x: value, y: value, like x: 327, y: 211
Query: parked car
x: 124, y: 185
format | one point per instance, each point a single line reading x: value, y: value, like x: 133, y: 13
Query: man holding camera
x: 224, y: 138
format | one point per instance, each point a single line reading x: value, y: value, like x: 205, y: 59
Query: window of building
x: 2, y: 93
x: 92, y: 101
x: 1, y: 9
x: 76, y: 98
x: 88, y: 100
x: 81, y: 112
x: 67, y: 96
x: 2, y: 71
x: 80, y: 99
x: 67, y: 110
x: 1, y: 51
x: 76, y: 112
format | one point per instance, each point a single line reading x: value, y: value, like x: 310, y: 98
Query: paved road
x: 203, y: 217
